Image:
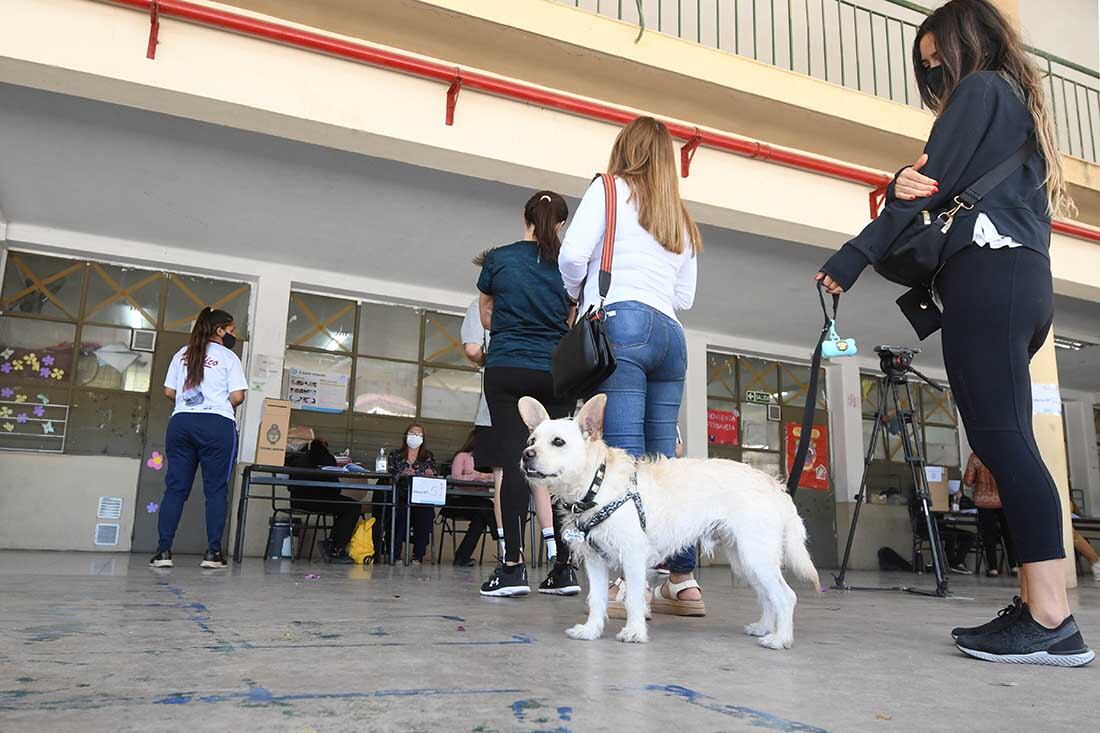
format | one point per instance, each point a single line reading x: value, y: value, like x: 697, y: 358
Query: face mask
x: 414, y: 441
x: 229, y: 340
x: 933, y: 77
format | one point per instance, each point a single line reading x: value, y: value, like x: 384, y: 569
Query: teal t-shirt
x: 530, y: 306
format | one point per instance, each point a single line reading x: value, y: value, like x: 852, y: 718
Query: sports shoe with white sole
x: 1004, y: 617
x: 507, y: 581
x: 213, y: 559
x: 562, y: 581
x: 163, y: 559
x: 1025, y: 641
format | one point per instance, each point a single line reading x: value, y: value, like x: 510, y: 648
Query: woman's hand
x: 831, y: 287
x: 911, y: 184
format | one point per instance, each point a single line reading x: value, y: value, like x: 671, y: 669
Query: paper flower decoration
x: 44, y: 372
x: 156, y: 461
x: 39, y: 410
x: 7, y: 393
x: 5, y: 411
x: 47, y: 428
x: 21, y: 398
x: 42, y: 398
x: 17, y: 365
x: 8, y: 426
x: 21, y: 418
x: 6, y: 367
x: 6, y: 354
x: 152, y: 507
x: 47, y: 360
x: 57, y: 374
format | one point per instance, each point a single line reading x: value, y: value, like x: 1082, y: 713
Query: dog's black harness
x: 584, y: 527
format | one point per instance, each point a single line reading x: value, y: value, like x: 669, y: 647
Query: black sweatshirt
x: 985, y: 122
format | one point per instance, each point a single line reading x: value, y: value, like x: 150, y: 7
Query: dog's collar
x: 582, y: 532
x: 589, y: 499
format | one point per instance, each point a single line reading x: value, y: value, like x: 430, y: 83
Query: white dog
x: 679, y: 502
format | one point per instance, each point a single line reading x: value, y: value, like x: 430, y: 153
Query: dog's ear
x: 590, y: 418
x: 532, y: 412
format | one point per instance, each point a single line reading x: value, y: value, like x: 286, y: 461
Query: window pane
x: 443, y: 340
x: 796, y: 381
x: 941, y: 446
x: 187, y: 295
x: 320, y: 323
x: 939, y: 407
x: 107, y: 362
x: 766, y: 462
x: 758, y: 375
x: 722, y: 376
x: 42, y: 286
x: 870, y: 387
x: 756, y: 430
x: 880, y: 449
x: 316, y: 382
x: 730, y: 452
x: 123, y: 296
x: 102, y: 423
x: 450, y: 394
x: 35, y: 352
x: 385, y: 387
x: 391, y: 331
x: 32, y: 419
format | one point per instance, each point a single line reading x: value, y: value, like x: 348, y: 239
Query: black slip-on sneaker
x: 507, y: 581
x: 1025, y: 641
x: 163, y: 559
x: 213, y: 559
x: 562, y: 581
x: 1004, y: 616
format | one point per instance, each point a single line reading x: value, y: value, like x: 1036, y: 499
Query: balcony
x: 862, y: 46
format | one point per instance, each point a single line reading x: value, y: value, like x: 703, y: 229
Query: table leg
x: 242, y: 515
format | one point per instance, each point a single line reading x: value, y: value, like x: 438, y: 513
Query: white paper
x: 428, y: 491
x: 1046, y: 399
x: 934, y: 474
x: 953, y: 486
x: 319, y: 391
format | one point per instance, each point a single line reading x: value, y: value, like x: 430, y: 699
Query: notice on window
x: 815, y: 475
x: 317, y: 391
x: 1046, y: 399
x: 934, y: 474
x: 722, y: 427
x: 428, y: 491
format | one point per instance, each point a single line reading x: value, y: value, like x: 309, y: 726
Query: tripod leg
x: 875, y: 432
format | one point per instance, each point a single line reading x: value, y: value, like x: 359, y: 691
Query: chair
x: 448, y: 525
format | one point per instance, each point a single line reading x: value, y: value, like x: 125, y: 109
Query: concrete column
x: 693, y: 411
x: 845, y: 428
x: 267, y: 339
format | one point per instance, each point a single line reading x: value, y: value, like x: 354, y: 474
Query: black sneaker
x: 507, y: 581
x: 163, y: 559
x: 466, y: 562
x: 213, y: 559
x: 562, y: 581
x: 1024, y: 641
x: 1005, y: 616
x: 340, y: 558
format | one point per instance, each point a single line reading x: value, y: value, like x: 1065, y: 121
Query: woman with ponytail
x: 524, y: 305
x: 206, y: 383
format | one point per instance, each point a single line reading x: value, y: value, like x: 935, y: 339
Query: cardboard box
x: 274, y: 429
x: 937, y: 487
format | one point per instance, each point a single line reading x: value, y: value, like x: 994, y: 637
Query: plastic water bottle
x: 380, y: 461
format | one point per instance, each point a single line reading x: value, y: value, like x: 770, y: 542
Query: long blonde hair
x: 972, y: 36
x: 643, y: 157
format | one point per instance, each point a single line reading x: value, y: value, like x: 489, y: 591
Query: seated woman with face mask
x: 413, y: 459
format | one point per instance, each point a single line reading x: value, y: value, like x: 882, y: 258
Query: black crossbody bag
x: 916, y: 256
x: 583, y: 359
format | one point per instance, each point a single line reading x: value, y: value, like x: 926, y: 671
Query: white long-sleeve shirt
x: 642, y: 270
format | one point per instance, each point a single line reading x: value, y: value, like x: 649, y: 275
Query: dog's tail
x: 795, y: 555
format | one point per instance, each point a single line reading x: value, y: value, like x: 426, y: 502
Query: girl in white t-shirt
x: 206, y: 382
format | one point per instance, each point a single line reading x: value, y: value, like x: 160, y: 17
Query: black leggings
x: 993, y: 528
x: 998, y: 306
x: 508, y: 437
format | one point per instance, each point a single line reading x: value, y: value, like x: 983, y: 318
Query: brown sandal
x: 673, y: 606
x: 616, y: 594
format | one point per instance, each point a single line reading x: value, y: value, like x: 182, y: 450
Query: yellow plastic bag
x: 361, y: 546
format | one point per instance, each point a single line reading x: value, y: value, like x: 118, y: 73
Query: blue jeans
x: 645, y: 390
x: 195, y: 440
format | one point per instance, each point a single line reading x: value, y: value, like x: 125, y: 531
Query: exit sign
x: 760, y: 398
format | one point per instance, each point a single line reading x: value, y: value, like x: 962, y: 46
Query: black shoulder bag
x: 916, y: 255
x: 583, y: 359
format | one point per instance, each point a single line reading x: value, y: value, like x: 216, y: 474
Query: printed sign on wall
x: 816, y: 474
x: 722, y: 427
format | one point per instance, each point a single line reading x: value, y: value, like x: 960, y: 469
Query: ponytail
x: 544, y: 212
x: 205, y: 330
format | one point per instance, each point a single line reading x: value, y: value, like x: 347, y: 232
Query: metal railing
x: 865, y: 45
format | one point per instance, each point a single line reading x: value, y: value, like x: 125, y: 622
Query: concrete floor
x: 102, y: 643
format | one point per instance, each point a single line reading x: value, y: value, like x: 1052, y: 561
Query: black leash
x: 811, y: 396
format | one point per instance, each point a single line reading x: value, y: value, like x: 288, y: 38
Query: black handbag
x: 916, y: 255
x: 583, y: 358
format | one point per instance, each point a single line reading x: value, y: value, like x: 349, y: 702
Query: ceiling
x: 93, y: 167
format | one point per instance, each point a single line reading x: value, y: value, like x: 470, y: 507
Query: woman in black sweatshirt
x: 996, y: 290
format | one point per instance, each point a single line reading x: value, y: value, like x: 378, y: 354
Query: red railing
x: 459, y: 79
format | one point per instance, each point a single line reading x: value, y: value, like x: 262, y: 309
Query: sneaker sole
x: 569, y: 590
x: 161, y: 564
x: 1039, y: 658
x: 507, y: 592
x: 210, y: 565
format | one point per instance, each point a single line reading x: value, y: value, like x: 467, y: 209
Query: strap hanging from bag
x: 610, y: 213
x: 811, y: 397
x: 980, y: 188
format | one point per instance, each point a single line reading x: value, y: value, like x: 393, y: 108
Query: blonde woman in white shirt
x: 206, y: 383
x: 653, y: 277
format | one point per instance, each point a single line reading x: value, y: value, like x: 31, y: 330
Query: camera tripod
x: 896, y: 365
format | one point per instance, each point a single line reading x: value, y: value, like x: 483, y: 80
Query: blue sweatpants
x: 195, y: 440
